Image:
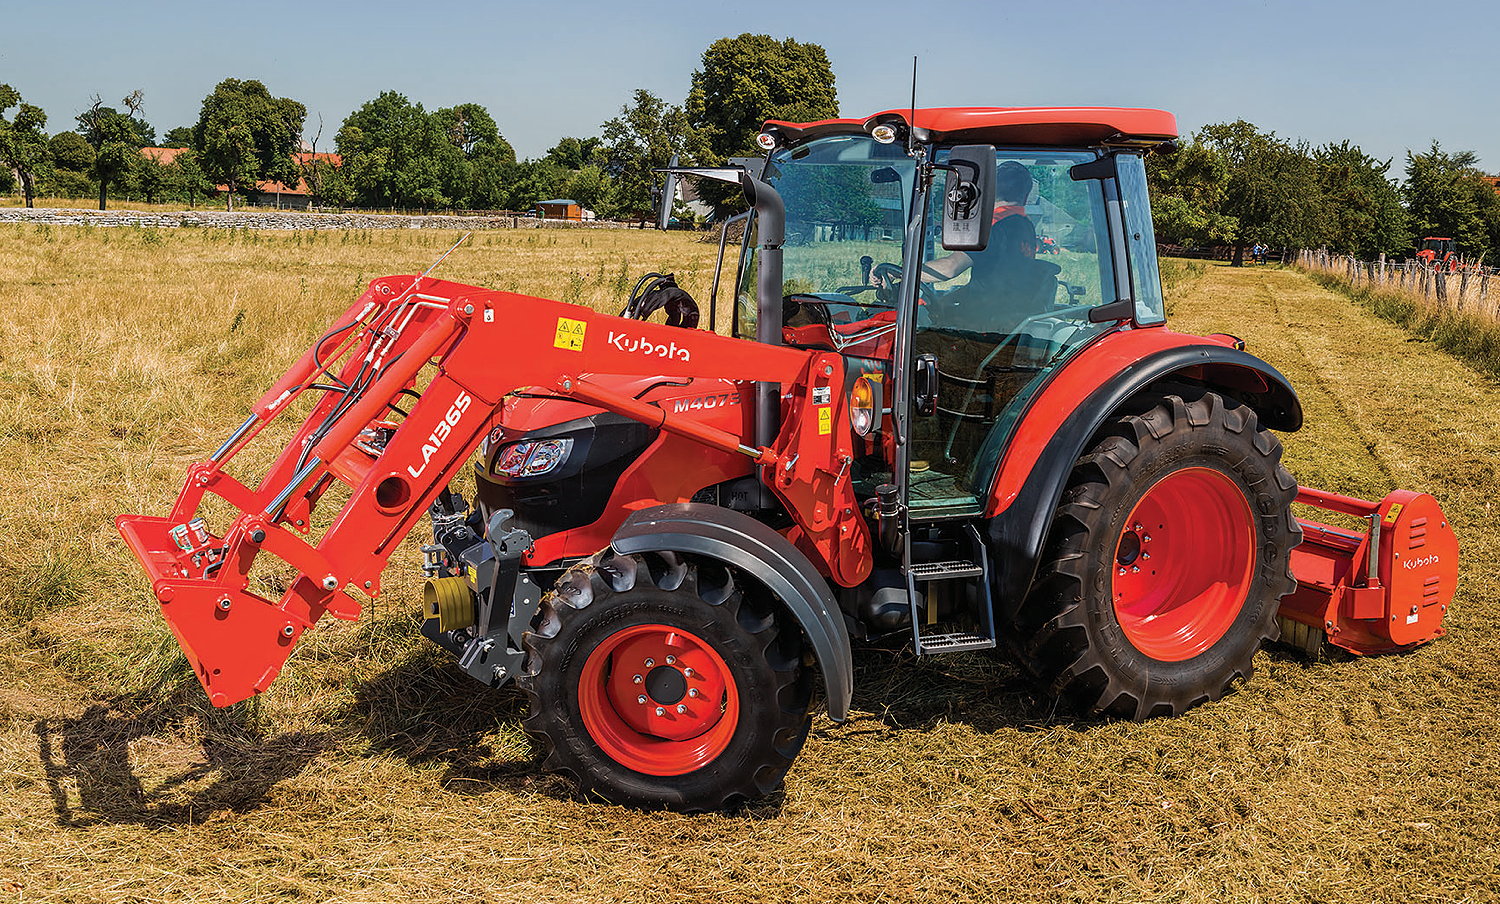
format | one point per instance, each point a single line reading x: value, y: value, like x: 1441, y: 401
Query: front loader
x: 918, y: 430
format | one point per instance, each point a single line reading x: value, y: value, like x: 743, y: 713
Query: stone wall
x: 282, y: 219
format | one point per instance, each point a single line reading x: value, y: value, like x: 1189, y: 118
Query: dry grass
x: 374, y: 772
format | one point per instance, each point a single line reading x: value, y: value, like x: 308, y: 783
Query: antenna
x: 911, y: 123
x: 444, y: 257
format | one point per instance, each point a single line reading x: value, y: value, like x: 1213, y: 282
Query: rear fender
x: 1062, y: 422
x: 737, y: 539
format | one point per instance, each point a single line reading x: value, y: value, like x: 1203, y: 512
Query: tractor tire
x: 1168, y: 556
x: 657, y: 681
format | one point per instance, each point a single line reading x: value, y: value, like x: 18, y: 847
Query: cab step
x: 943, y: 571
x: 953, y: 643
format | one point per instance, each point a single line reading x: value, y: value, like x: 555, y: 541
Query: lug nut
x: 1135, y: 569
x: 689, y: 673
x: 671, y: 659
x: 641, y: 699
x: 660, y: 711
x: 330, y: 583
x: 693, y: 692
x: 1145, y: 538
x: 650, y: 663
x: 224, y: 604
x: 1123, y: 572
x: 636, y: 680
x: 681, y: 708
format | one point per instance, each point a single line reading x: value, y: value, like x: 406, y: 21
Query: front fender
x: 1061, y: 422
x: 737, y: 539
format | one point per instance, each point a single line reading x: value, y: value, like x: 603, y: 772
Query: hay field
x: 374, y: 772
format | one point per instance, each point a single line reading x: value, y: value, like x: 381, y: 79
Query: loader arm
x: 459, y: 350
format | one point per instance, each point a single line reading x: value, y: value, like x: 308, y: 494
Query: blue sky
x: 1389, y: 76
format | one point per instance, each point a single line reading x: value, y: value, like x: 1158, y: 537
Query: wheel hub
x: 658, y: 699
x: 1184, y: 564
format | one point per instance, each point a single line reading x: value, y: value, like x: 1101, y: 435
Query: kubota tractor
x: 1438, y: 254
x: 917, y: 428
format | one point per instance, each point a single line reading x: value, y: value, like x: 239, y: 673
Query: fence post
x: 1463, y: 288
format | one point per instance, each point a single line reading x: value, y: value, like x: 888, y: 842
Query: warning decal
x: 569, y: 334
x: 825, y: 421
x: 1390, y: 516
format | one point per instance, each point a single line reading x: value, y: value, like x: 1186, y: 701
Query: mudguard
x: 739, y: 540
x: 1018, y: 531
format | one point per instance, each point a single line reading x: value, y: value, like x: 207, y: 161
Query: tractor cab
x: 959, y: 261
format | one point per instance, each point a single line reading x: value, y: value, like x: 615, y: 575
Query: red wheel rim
x: 1183, y: 564
x: 658, y: 700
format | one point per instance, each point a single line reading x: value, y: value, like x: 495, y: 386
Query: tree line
x: 1233, y: 185
x: 396, y: 153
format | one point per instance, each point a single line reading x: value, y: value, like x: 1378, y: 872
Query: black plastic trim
x: 1017, y: 535
x: 741, y: 541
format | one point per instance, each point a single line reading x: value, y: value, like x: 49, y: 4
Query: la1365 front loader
x: 949, y: 410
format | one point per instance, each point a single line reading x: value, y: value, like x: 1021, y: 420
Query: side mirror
x: 925, y: 386
x: 969, y: 202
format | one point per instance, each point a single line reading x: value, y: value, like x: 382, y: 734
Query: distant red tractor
x: 1438, y: 254
x: 918, y: 428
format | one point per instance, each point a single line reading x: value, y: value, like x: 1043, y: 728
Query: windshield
x: 847, y: 200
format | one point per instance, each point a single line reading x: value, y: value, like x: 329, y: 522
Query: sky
x: 1387, y: 76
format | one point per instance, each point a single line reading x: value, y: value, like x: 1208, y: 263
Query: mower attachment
x: 1381, y: 591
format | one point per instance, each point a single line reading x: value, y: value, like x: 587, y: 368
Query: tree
x: 746, y: 81
x: 573, y: 153
x: 1187, y: 192
x: 188, y: 178
x: 396, y: 155
x: 179, y: 137
x: 1271, y: 190
x: 23, y: 144
x: 115, y: 138
x: 475, y: 181
x: 530, y: 181
x: 752, y: 78
x: 70, y: 151
x: 1363, y: 214
x: 244, y: 135
x: 1446, y: 196
x: 153, y: 178
x: 645, y: 136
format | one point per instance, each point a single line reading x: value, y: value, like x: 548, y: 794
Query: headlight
x: 533, y: 457
x: 864, y: 405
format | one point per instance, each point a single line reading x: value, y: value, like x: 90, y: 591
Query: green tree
x: 179, y: 137
x: 745, y: 81
x: 1363, y: 213
x: 1447, y: 196
x: 70, y: 151
x: 1187, y: 194
x: 396, y: 155
x: 1272, y: 188
x: 752, y: 78
x: 574, y: 153
x: 23, y: 143
x: 153, y: 178
x: 530, y: 181
x: 244, y: 135
x: 116, y: 140
x: 188, y: 179
x: 645, y: 136
x: 475, y: 180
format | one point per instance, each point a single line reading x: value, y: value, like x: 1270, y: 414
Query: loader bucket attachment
x: 1381, y: 590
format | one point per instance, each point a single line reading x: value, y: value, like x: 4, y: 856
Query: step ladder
x: 920, y: 576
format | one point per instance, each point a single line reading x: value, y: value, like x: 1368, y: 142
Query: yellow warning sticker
x: 569, y: 334
x: 825, y: 421
x: 1390, y: 516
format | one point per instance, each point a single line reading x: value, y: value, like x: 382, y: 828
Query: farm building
x: 563, y: 209
x: 266, y: 194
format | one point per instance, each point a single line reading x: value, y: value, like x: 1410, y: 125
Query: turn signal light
x: 864, y: 405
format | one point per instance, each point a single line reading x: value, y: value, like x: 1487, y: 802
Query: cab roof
x: 1052, y: 126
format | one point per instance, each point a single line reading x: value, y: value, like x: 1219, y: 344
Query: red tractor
x: 1438, y: 254
x: 918, y: 431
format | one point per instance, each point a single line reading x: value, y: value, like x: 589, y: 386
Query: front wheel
x: 1168, y: 556
x: 657, y: 681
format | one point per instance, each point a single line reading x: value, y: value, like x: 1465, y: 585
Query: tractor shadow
x: 988, y: 692
x: 130, y: 760
x: 428, y: 712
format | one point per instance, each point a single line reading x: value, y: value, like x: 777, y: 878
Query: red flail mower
x: 908, y: 427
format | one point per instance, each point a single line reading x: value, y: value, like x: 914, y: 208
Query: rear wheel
x: 657, y: 681
x: 1169, y: 553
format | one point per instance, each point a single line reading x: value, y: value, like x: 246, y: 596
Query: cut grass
x: 374, y: 771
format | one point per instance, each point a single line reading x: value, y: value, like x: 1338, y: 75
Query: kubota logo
x: 626, y: 343
x: 441, y: 431
x: 1423, y: 562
